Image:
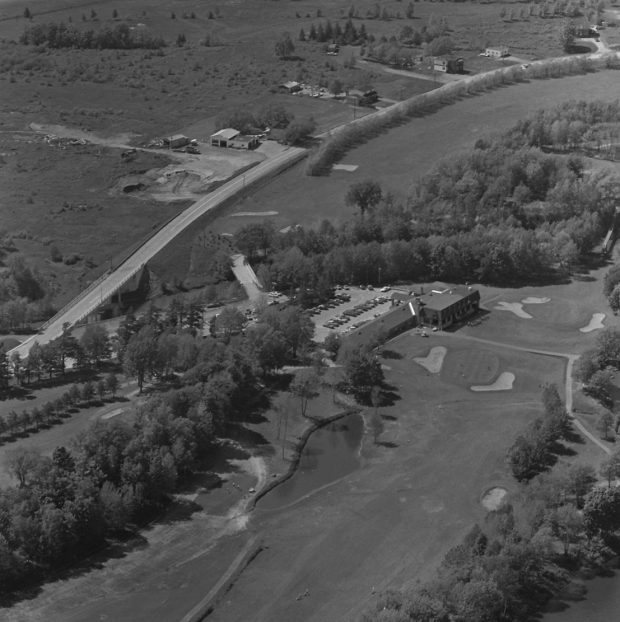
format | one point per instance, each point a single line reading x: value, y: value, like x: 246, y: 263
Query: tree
x: 567, y: 524
x: 101, y: 388
x: 580, y: 479
x: 111, y: 382
x: 305, y: 387
x: 27, y: 13
x: 604, y: 424
x: 336, y: 87
x: 284, y: 47
x: 5, y: 371
x: 567, y: 36
x: 332, y: 344
x: 601, y: 510
x: 22, y: 463
x: 88, y: 391
x: 362, y: 371
x: 95, y: 343
x: 610, y: 468
x: 229, y: 322
x: 365, y: 195
x: 141, y: 358
x: 299, y: 130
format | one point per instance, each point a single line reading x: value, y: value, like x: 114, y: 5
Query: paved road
x: 247, y: 278
x: 103, y: 288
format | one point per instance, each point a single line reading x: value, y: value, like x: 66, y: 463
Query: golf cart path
x: 568, y: 382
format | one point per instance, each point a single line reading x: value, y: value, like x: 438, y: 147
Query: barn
x: 224, y: 137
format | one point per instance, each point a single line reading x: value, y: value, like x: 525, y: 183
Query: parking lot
x: 341, y: 315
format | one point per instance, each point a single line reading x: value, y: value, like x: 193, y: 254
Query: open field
x: 399, y: 157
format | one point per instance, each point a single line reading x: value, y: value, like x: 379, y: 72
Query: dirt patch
x: 494, y: 498
x: 433, y: 361
x: 504, y: 382
x: 596, y: 322
x: 513, y: 307
x: 350, y: 168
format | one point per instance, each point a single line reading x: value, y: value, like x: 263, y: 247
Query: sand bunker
x: 494, y: 498
x: 534, y: 300
x: 434, y: 360
x: 595, y: 323
x: 504, y: 382
x: 345, y: 167
x: 112, y: 413
x: 255, y: 214
x: 513, y: 307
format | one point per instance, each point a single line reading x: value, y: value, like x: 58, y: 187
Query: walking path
x: 568, y: 387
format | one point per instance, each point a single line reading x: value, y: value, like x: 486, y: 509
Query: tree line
x: 51, y: 412
x: 119, y: 37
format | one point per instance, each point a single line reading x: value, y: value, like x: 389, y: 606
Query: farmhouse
x: 447, y: 64
x: 585, y: 31
x: 333, y: 49
x: 497, y: 52
x: 177, y: 141
x: 291, y: 87
x: 224, y: 137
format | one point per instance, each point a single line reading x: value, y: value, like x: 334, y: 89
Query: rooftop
x: 227, y: 133
x: 438, y: 300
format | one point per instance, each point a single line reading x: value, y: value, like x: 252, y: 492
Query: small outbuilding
x: 497, y: 52
x: 176, y: 142
x: 224, y: 137
x: 291, y: 87
x: 242, y: 141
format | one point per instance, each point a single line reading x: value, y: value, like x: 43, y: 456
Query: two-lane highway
x: 86, y: 303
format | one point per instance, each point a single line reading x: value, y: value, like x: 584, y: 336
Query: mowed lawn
x: 398, y: 158
x: 389, y: 523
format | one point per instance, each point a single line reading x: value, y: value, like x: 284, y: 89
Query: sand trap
x: 434, y: 360
x: 345, y: 167
x: 595, y: 323
x: 513, y: 307
x: 533, y: 300
x: 504, y: 382
x: 494, y: 498
x: 112, y: 413
x: 255, y: 214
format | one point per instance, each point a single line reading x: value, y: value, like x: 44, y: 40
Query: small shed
x: 333, y: 49
x: 497, y: 52
x: 224, y: 137
x: 291, y: 86
x: 177, y: 141
x: 244, y: 142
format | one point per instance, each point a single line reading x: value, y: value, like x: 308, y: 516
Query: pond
x: 330, y: 453
x: 601, y: 603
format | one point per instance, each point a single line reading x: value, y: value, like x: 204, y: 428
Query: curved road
x: 107, y: 285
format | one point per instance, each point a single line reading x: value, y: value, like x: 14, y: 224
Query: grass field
x: 401, y: 156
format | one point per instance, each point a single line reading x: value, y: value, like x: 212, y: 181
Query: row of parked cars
x: 337, y: 300
x: 349, y: 314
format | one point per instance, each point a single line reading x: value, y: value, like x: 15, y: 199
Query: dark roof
x: 440, y: 301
